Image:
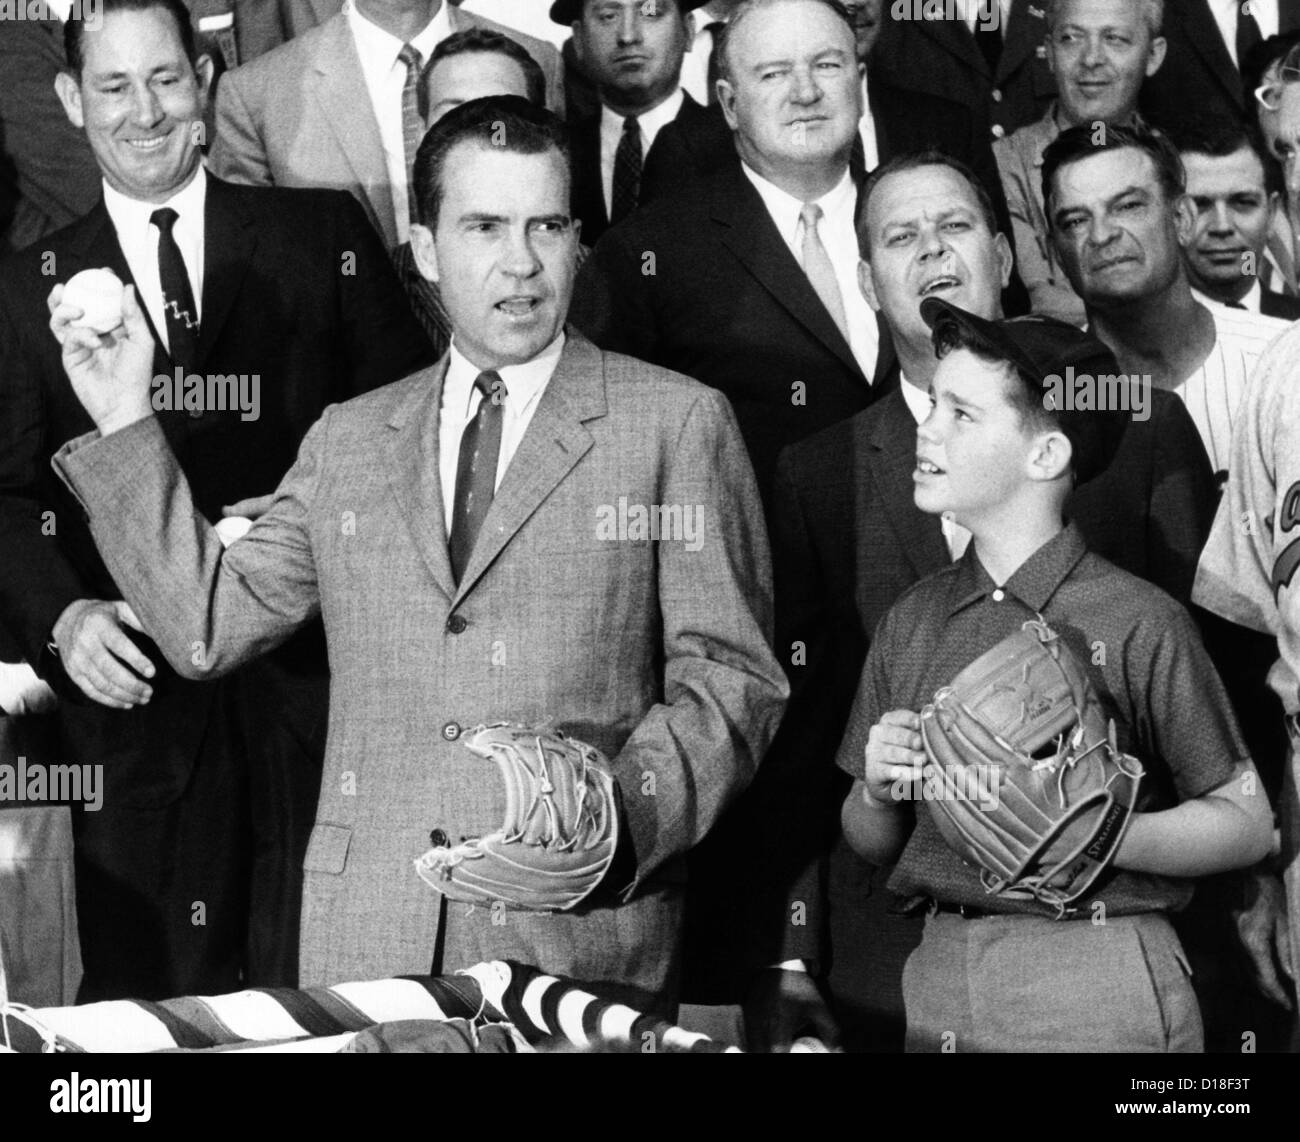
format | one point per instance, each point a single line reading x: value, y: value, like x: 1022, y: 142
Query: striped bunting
x: 544, y: 1010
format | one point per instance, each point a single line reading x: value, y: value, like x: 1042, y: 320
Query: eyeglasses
x: 1269, y: 95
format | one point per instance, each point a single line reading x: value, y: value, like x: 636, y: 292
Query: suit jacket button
x: 457, y: 624
x: 438, y: 839
x: 451, y: 731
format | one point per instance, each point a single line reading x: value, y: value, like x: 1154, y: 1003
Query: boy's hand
x: 110, y: 372
x: 895, y: 752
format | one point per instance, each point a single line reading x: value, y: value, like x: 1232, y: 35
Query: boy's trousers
x: 1024, y: 983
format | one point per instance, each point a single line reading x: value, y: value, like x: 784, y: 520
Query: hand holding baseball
x: 110, y: 372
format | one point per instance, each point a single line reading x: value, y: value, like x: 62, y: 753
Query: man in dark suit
x: 848, y: 540
x: 990, y: 58
x: 265, y: 307
x: 634, y: 53
x: 746, y: 279
x: 1237, y: 191
x: 1209, y: 40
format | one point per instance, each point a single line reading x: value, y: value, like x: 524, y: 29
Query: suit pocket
x: 327, y: 851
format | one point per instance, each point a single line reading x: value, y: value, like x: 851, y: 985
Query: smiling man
x: 447, y: 527
x: 188, y: 879
x: 1237, y: 193
x: 1120, y: 219
x: 1100, y: 52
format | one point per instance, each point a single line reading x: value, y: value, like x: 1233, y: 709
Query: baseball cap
x: 1046, y: 353
x: 567, y: 11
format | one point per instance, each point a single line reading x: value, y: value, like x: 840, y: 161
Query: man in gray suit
x: 618, y: 581
x: 345, y: 104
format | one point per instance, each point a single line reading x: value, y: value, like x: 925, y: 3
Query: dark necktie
x: 714, y: 30
x: 476, y: 470
x: 412, y: 118
x: 1249, y: 35
x: 182, y: 315
x: 988, y: 34
x: 627, y: 171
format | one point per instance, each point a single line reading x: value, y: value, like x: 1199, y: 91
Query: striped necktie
x: 412, y: 119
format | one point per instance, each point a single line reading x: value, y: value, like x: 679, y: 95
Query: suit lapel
x: 411, y: 460
x: 892, y: 452
x: 553, y: 444
x: 588, y: 180
x: 747, y: 230
x: 1288, y: 16
x: 340, y: 91
x: 955, y: 37
x: 228, y: 249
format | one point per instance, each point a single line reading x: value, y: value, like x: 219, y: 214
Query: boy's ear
x: 1050, y: 457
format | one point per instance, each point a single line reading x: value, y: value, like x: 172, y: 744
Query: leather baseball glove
x: 560, y: 830
x: 1025, y: 778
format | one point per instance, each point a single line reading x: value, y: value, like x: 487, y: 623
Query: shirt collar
x: 374, y: 43
x: 650, y: 121
x: 131, y: 213
x: 523, y: 382
x: 1035, y: 581
x: 918, y: 403
x: 784, y: 208
x: 1251, y: 302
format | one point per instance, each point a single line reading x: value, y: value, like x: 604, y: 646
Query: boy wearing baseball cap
x: 1014, y: 425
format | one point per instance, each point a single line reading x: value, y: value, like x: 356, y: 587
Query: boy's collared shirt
x: 1142, y: 653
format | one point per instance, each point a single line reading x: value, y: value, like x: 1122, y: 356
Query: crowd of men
x: 748, y: 258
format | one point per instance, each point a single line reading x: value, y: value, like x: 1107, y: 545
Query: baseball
x: 98, y: 294
x: 233, y: 527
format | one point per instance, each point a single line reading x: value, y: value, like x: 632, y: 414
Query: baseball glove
x: 1028, y: 782
x: 560, y: 830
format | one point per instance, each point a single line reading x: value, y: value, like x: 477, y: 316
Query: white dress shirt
x: 139, y: 241
x: 1225, y: 15
x: 611, y: 134
x: 867, y: 131
x: 532, y: 17
x: 460, y: 400
x: 841, y: 242
x: 695, y: 63
x: 385, y: 77
x: 61, y: 8
x: 918, y: 404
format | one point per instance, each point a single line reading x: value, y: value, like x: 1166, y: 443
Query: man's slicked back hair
x: 921, y: 159
x: 502, y: 122
x: 83, y: 15
x: 484, y: 41
x: 747, y: 8
x: 1088, y: 139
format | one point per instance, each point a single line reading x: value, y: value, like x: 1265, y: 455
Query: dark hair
x: 504, y: 121
x: 84, y: 14
x: 484, y: 41
x: 1086, y: 140
x: 721, y: 48
x: 920, y: 159
x: 1094, y: 435
x: 1261, y: 57
x: 1219, y: 138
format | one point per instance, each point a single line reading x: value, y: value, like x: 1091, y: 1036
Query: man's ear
x: 1156, y: 55
x: 866, y: 285
x: 1274, y: 205
x: 425, y: 252
x: 1050, y: 457
x: 69, y: 92
x: 1184, y: 219
x: 727, y: 101
x: 1006, y: 259
x: 203, y: 70
x: 688, y: 19
x: 579, y: 42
